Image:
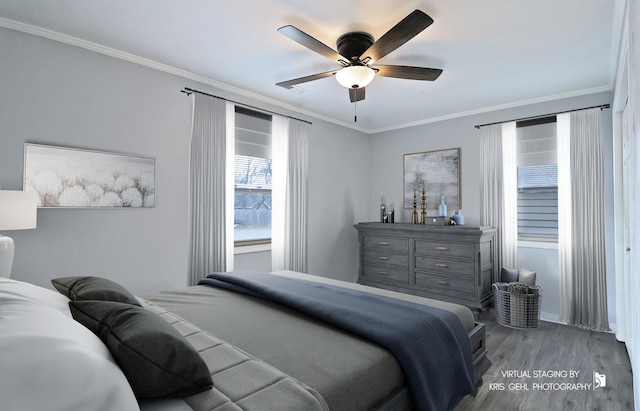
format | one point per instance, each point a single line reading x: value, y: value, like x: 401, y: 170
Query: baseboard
x: 551, y: 318
x: 555, y: 318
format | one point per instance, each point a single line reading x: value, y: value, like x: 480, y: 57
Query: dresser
x: 449, y: 263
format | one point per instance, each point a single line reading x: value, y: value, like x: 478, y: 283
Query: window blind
x: 252, y: 177
x: 537, y: 182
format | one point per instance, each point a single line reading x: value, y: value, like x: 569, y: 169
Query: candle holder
x: 414, y: 215
x: 423, y: 206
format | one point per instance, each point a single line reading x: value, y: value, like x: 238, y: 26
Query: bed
x: 261, y: 354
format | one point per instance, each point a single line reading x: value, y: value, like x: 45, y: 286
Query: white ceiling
x: 494, y: 53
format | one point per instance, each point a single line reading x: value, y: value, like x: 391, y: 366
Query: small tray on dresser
x: 435, y: 221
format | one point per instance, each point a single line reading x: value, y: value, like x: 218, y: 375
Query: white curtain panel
x: 297, y: 184
x: 229, y: 185
x: 563, y: 127
x: 509, y: 196
x: 208, y: 177
x: 289, y: 195
x: 583, y: 278
x: 280, y: 158
x: 498, y: 193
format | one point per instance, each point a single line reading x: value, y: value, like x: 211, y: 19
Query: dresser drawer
x: 441, y: 282
x: 464, y: 250
x: 464, y: 268
x: 400, y: 245
x: 385, y: 273
x: 381, y: 257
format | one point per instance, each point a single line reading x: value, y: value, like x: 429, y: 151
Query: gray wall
x: 62, y: 95
x: 66, y: 96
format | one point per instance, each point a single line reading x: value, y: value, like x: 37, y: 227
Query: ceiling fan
x: 358, y: 52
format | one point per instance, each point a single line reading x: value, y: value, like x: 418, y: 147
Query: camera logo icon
x: 599, y: 380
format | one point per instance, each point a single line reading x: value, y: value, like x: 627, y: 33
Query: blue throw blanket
x: 430, y: 344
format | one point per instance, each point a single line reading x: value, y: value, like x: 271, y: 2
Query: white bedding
x: 51, y: 362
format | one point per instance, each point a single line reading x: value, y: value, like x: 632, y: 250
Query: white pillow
x: 19, y: 289
x: 527, y: 277
x: 51, y: 362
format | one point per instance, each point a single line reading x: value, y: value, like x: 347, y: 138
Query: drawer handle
x: 442, y: 249
x: 383, y: 243
x: 442, y: 282
x: 383, y: 273
x: 383, y: 258
x: 442, y: 265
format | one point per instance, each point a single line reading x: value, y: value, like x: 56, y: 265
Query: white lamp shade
x: 355, y: 76
x: 18, y: 210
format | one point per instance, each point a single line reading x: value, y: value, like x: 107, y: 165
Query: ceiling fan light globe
x: 355, y: 76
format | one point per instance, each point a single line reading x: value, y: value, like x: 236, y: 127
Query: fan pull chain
x: 355, y: 112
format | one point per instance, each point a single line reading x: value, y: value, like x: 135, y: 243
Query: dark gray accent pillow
x: 155, y: 358
x: 508, y: 275
x: 93, y: 288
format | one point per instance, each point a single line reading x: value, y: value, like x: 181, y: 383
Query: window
x: 252, y: 178
x: 537, y: 164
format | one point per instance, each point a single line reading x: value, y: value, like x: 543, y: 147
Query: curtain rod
x: 601, y: 107
x: 188, y: 91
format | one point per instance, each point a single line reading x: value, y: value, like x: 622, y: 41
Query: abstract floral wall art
x: 70, y: 177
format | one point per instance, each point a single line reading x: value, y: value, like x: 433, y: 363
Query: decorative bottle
x: 458, y: 217
x: 442, y: 208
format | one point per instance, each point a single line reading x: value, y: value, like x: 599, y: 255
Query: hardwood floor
x: 552, y: 368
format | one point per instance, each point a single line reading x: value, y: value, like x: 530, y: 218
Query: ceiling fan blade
x: 291, y: 83
x: 356, y: 94
x: 408, y: 72
x: 399, y: 34
x: 311, y: 43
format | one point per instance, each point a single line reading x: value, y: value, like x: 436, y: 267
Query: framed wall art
x: 71, y: 177
x: 439, y: 172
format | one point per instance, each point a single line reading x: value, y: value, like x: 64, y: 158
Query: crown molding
x: 520, y: 103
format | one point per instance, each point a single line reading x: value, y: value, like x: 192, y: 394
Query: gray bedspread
x: 349, y: 372
x: 431, y: 345
x: 241, y: 382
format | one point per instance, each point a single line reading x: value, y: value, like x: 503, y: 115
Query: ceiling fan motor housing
x: 352, y: 45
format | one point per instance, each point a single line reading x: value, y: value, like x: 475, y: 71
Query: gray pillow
x: 155, y: 358
x: 93, y: 288
x: 527, y: 277
x: 508, y: 275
